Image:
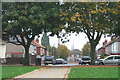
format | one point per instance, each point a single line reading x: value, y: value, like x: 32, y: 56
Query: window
x: 114, y: 45
x: 110, y: 58
x: 117, y: 57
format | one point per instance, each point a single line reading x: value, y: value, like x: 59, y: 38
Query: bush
x: 104, y: 56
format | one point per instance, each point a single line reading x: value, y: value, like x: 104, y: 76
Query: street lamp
x: 54, y: 50
x: 58, y: 46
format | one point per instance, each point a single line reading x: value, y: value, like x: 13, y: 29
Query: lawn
x: 12, y: 71
x: 94, y: 72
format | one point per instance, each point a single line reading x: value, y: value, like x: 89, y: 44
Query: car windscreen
x: 85, y: 58
x: 49, y: 57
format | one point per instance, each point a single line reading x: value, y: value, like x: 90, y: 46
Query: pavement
x: 44, y: 73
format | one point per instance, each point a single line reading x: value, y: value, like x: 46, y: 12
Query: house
x: 41, y: 51
x: 13, y: 50
x: 74, y: 55
x: 112, y: 47
x: 15, y: 53
x: 101, y: 50
x: 2, y: 51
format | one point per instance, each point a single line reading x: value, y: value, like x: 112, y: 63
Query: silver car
x: 110, y: 60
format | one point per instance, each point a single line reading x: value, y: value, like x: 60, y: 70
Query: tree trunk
x: 92, y: 54
x: 26, y: 60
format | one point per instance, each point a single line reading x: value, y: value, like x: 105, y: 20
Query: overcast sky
x: 76, y: 42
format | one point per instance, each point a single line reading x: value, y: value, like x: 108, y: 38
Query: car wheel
x: 101, y: 63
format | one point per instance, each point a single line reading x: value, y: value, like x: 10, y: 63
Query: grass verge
x: 12, y: 71
x: 94, y: 72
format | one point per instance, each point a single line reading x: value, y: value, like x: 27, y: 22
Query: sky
x: 76, y: 42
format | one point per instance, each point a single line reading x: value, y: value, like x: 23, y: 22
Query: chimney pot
x: 37, y: 40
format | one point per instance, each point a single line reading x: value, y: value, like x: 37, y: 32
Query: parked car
x: 49, y: 60
x: 60, y: 61
x: 85, y: 60
x: 110, y: 60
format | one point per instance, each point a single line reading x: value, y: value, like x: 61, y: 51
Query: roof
x: 105, y: 45
x: 116, y: 40
x: 37, y: 44
x: 109, y: 43
x: 75, y: 51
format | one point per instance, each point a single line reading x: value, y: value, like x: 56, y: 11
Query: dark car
x: 85, y: 60
x: 60, y: 61
x: 49, y: 60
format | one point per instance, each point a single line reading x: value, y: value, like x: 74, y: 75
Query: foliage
x: 45, y: 42
x: 94, y: 72
x: 86, y: 49
x: 94, y: 19
x: 23, y: 21
x: 62, y: 51
x: 12, y: 71
x: 103, y: 56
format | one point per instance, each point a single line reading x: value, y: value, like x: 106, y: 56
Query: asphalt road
x: 63, y: 65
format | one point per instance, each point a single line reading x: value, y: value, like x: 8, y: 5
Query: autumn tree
x: 86, y: 49
x: 22, y: 21
x: 93, y: 19
x: 62, y: 51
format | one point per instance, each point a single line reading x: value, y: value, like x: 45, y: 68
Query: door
x: 117, y: 60
x: 109, y: 60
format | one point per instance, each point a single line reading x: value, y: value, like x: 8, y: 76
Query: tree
x: 86, y: 49
x: 93, y: 19
x: 53, y: 51
x: 45, y: 42
x: 62, y: 52
x: 23, y: 21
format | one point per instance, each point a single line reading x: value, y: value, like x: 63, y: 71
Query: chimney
x: 37, y: 40
x: 111, y: 38
x: 105, y: 42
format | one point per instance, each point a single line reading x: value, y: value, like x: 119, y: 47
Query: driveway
x: 46, y: 72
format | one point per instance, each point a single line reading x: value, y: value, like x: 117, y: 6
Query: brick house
x: 112, y: 47
x: 41, y: 51
x: 14, y: 52
x: 102, y: 49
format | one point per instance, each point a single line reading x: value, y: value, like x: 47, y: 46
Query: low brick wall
x: 14, y: 60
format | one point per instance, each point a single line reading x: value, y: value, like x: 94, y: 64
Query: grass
x: 12, y: 71
x: 94, y: 72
